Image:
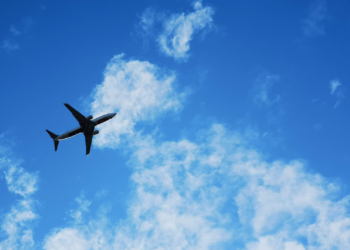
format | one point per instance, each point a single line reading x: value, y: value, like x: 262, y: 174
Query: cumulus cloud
x: 312, y: 25
x: 216, y: 193
x: 17, y: 223
x: 177, y: 30
x: 173, y: 206
x: 337, y: 91
x: 138, y: 91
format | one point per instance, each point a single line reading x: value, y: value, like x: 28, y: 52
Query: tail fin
x: 53, y: 136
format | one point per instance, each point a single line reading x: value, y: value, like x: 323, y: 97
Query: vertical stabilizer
x: 53, y: 136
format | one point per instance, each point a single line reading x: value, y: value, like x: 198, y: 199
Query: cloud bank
x: 214, y: 192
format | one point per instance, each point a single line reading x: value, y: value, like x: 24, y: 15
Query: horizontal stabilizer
x: 53, y: 136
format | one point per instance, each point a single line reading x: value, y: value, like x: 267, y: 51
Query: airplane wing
x: 88, y: 141
x: 81, y: 119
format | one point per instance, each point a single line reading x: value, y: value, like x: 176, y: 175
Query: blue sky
x: 231, y: 133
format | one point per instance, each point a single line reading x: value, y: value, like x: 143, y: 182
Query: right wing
x: 88, y: 141
x: 81, y: 119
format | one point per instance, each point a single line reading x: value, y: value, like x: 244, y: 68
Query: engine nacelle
x: 95, y: 132
x: 89, y: 117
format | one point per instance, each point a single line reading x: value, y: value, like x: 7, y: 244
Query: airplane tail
x: 53, y: 136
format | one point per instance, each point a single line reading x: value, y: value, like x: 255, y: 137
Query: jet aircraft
x: 87, y: 126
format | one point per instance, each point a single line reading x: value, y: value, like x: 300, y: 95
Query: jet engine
x: 95, y: 132
x: 89, y: 117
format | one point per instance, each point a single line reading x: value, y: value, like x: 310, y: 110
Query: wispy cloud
x: 178, y: 29
x: 317, y: 127
x: 9, y: 45
x: 138, y: 91
x: 27, y: 23
x: 17, y: 224
x: 83, y: 207
x: 337, y: 91
x: 147, y: 27
x: 14, y: 31
x: 262, y: 88
x: 312, y: 25
x: 101, y: 193
x: 334, y: 84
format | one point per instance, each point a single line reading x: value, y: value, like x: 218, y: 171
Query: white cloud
x: 173, y: 207
x: 84, y: 205
x: 14, y: 31
x: 17, y: 223
x: 215, y: 193
x: 334, y: 84
x: 317, y: 127
x: 20, y: 182
x: 9, y: 45
x: 148, y: 20
x: 262, y: 88
x: 289, y: 205
x: 81, y: 234
x: 177, y: 30
x: 138, y: 91
x: 212, y: 193
x: 312, y: 25
x: 101, y: 193
x: 337, y: 91
x: 66, y: 239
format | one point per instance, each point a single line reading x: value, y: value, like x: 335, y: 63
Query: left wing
x: 81, y: 119
x: 88, y: 141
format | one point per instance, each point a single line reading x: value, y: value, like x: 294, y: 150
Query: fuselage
x: 90, y: 126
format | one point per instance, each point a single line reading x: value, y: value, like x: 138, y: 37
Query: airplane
x: 87, y: 126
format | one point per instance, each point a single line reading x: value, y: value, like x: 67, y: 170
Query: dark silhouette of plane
x: 87, y: 126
